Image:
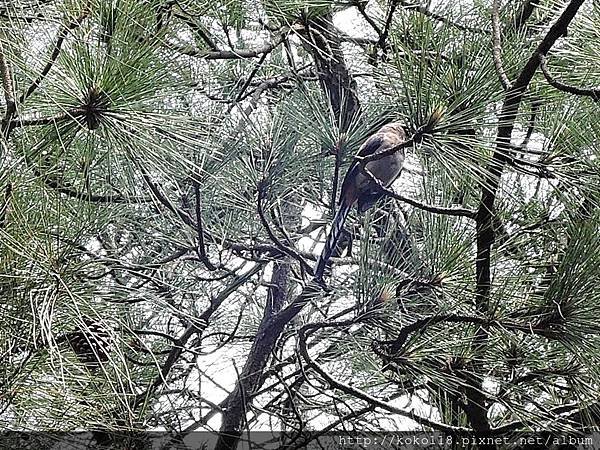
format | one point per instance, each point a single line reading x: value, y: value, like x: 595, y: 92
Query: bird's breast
x: 386, y: 169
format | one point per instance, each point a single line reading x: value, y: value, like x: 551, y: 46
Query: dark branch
x: 459, y: 212
x: 60, y: 39
x: 184, y: 216
x: 525, y: 13
x: 227, y: 54
x: 594, y: 93
x: 86, y: 196
x: 191, y: 330
x: 357, y: 393
x: 485, y: 233
x: 288, y: 251
x: 200, y: 231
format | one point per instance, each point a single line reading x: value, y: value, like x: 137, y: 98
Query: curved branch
x: 361, y: 9
x: 201, y: 250
x: 183, y: 215
x: 180, y: 342
x: 227, y: 54
x: 459, y: 212
x: 594, y: 93
x: 287, y: 250
x: 448, y: 211
x: 375, y: 402
x: 86, y: 196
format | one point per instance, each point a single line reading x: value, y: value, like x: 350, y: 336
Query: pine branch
x: 287, y: 250
x: 593, y: 93
x: 60, y: 39
x: 303, y: 334
x: 459, y: 212
x: 485, y: 233
x: 409, y: 5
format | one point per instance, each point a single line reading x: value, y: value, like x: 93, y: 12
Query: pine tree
x: 169, y: 170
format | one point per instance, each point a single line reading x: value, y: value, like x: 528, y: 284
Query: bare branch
x: 251, y: 76
x: 360, y: 5
x: 9, y: 92
x: 459, y: 212
x: 5, y: 206
x: 192, y: 329
x: 53, y: 183
x: 183, y: 215
x: 386, y: 28
x: 227, y: 54
x: 524, y: 14
x: 508, y: 115
x: 199, y: 30
x: 497, y: 47
x: 200, y: 231
x: 485, y: 232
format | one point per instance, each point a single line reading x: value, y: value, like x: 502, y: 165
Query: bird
x: 360, y: 188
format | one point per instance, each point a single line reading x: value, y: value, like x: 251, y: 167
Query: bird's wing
x: 371, y: 145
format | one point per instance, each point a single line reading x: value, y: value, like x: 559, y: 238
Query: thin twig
x: 524, y: 14
x: 535, y: 106
x: 288, y: 251
x: 336, y: 174
x: 255, y: 70
x: 448, y: 211
x: 497, y: 47
x: 426, y: 12
x: 87, y: 196
x: 36, y: 120
x: 5, y: 208
x: 386, y: 28
x: 201, y: 250
x: 360, y: 5
x: 61, y: 36
x: 421, y: 324
x: 181, y: 341
x: 199, y: 29
x: 167, y: 203
x: 227, y: 54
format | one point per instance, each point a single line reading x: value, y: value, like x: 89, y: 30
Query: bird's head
x: 395, y: 127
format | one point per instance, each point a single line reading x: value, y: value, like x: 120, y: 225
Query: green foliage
x: 164, y: 155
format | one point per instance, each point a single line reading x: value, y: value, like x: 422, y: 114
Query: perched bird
x: 358, y: 187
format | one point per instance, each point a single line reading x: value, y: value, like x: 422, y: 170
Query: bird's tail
x: 332, y: 239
